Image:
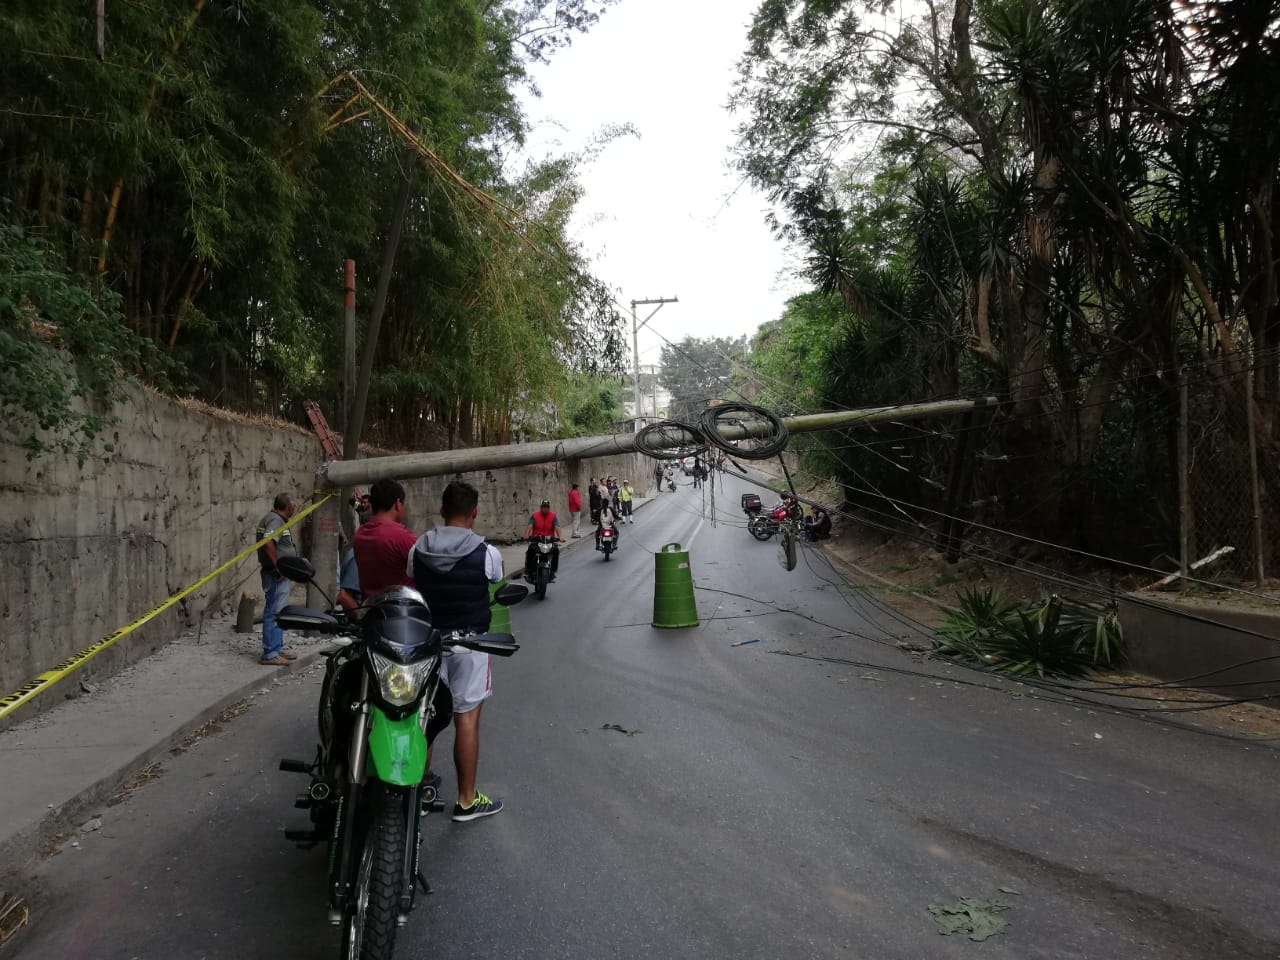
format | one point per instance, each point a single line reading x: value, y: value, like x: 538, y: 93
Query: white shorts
x: 466, y: 673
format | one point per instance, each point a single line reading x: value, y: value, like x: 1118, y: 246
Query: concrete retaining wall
x: 1165, y: 644
x: 88, y: 548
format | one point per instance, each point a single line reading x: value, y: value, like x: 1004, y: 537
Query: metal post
x: 655, y: 392
x: 1253, y: 477
x: 324, y: 552
x: 635, y: 354
x: 635, y: 343
x: 349, y: 346
x: 1184, y: 477
x: 102, y: 29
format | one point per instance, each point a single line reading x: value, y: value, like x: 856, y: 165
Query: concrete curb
x: 19, y: 851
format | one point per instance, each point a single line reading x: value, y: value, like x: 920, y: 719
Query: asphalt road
x: 759, y: 806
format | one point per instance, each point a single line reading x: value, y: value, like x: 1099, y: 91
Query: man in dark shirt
x: 275, y: 588
x: 452, y: 568
x: 382, y: 544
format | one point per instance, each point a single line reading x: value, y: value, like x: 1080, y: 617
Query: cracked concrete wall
x: 89, y: 548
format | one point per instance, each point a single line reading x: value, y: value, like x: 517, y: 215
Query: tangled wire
x: 762, y: 434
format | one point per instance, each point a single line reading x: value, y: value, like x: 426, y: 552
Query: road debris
x: 620, y: 729
x: 970, y: 915
x: 743, y: 643
x: 13, y: 915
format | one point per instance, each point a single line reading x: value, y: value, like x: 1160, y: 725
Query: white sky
x: 655, y: 218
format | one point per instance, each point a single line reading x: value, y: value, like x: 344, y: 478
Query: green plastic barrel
x: 673, y: 604
x: 499, y: 616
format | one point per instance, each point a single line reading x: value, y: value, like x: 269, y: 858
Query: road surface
x: 758, y: 805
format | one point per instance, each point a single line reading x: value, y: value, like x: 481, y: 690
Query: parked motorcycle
x: 608, y: 541
x: 763, y: 525
x: 381, y: 706
x: 540, y: 575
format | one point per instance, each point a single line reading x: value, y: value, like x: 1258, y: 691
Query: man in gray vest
x: 275, y: 588
x: 453, y: 568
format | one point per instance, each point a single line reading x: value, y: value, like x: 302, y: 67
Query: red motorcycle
x: 763, y: 525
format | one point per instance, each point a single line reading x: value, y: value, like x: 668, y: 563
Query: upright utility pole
x: 635, y: 343
x: 349, y: 347
x: 1258, y: 568
x: 355, y: 423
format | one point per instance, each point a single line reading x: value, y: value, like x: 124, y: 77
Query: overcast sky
x: 658, y: 218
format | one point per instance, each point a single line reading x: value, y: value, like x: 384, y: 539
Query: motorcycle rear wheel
x: 760, y: 528
x: 369, y: 927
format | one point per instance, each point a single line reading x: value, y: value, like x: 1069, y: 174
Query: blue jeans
x: 276, y: 592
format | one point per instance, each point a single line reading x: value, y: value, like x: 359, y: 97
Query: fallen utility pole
x: 345, y: 473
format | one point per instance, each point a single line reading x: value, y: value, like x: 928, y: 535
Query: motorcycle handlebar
x: 498, y: 644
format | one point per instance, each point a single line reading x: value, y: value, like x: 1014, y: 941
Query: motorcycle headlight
x: 400, y: 683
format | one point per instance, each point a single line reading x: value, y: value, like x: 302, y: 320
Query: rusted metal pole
x: 349, y: 346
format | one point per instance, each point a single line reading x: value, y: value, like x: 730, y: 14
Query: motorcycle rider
x: 453, y: 567
x: 607, y: 518
x: 542, y: 524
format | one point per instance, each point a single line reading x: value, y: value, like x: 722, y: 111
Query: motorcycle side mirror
x: 510, y: 595
x: 297, y: 569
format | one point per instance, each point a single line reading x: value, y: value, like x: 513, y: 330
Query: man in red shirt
x: 382, y: 543
x: 543, y: 524
x: 575, y: 508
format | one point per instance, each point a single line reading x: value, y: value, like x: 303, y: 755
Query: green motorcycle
x: 382, y: 703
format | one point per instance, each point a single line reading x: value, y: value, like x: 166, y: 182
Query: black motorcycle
x: 607, y: 542
x: 543, y: 550
x: 381, y: 705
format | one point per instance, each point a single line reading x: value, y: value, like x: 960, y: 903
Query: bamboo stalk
x: 152, y: 97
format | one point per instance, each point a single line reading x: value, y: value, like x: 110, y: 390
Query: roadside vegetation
x: 197, y: 183
x: 1066, y: 205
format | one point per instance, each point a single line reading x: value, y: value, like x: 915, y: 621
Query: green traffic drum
x: 673, y: 602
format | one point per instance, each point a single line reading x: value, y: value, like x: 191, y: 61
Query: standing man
x: 657, y: 475
x: 575, y: 509
x: 624, y: 501
x: 275, y: 587
x: 382, y: 543
x: 542, y: 524
x: 452, y: 567
x: 593, y: 500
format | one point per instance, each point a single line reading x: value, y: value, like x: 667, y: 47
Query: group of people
x: 450, y: 565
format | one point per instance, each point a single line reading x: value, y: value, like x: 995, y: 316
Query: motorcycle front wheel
x: 540, y: 582
x: 760, y: 528
x: 369, y: 928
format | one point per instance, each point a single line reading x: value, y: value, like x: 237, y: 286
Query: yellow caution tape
x: 33, y: 688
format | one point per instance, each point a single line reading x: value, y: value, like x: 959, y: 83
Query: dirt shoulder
x: 919, y: 582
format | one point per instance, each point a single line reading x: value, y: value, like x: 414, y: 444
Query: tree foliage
x: 212, y: 172
x: 696, y: 371
x: 1058, y: 202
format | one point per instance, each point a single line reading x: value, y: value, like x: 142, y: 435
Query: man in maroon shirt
x: 382, y: 543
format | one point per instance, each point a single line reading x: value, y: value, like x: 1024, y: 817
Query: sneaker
x: 482, y: 806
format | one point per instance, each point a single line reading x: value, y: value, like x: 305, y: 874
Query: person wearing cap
x: 543, y: 524
x: 624, y: 501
